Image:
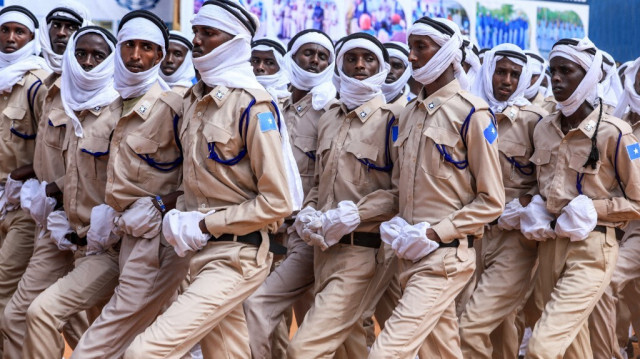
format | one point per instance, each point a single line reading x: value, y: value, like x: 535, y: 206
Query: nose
x: 196, y: 40
x: 360, y: 63
x: 61, y: 31
x: 12, y: 37
x: 412, y: 57
x: 135, y: 53
x: 169, y: 59
x: 314, y: 59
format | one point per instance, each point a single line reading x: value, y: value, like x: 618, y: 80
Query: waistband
x: 456, y: 243
x: 253, y: 238
x: 362, y: 239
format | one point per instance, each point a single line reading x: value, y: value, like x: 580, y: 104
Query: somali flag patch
x: 394, y: 133
x: 491, y: 133
x: 267, y: 122
x: 634, y: 151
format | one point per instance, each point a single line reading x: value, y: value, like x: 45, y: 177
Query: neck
x: 297, y: 94
x: 570, y: 122
x: 633, y: 118
x: 447, y: 76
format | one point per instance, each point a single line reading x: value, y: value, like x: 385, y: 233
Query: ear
x: 160, y: 53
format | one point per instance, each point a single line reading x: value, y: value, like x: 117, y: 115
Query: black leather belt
x: 254, y: 238
x: 362, y: 239
x: 456, y: 243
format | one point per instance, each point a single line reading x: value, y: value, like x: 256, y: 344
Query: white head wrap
x: 474, y: 62
x: 54, y: 60
x: 13, y: 66
x: 184, y: 75
x: 277, y: 83
x: 537, y: 68
x: 320, y: 85
x: 450, y: 53
x: 630, y: 97
x: 610, y: 88
x: 547, y: 91
x: 130, y: 84
x: 228, y: 64
x: 392, y: 90
x: 82, y: 90
x: 483, y: 87
x: 587, y: 89
x: 354, y: 92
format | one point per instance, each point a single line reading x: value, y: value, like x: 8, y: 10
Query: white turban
x: 610, y: 88
x: 354, y: 92
x: 586, y: 90
x: 184, y: 75
x: 320, y: 84
x: 392, y: 90
x: 474, y: 62
x: 127, y: 83
x: 450, y: 52
x: 537, y: 67
x: 630, y: 97
x: 277, y: 83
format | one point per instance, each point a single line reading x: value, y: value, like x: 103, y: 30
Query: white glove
x: 577, y: 219
x: 59, y: 227
x: 182, y: 230
x: 413, y: 244
x: 11, y: 196
x: 304, y: 217
x: 339, y: 222
x: 41, y: 205
x: 312, y: 234
x: 101, y: 234
x: 510, y: 218
x: 535, y: 221
x: 27, y: 192
x: 391, y: 230
x: 141, y: 220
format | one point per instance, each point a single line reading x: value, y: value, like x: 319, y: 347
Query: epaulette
x: 396, y: 109
x: 535, y: 109
x: 332, y: 103
x: 475, y: 101
x: 40, y: 74
x: 173, y: 100
x: 260, y: 95
x: 622, y: 125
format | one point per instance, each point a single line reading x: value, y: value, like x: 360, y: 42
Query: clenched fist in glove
x: 59, y: 227
x: 413, y: 244
x: 332, y: 225
x: 141, y: 220
x: 510, y: 218
x: 577, y: 219
x: 10, y: 199
x: 304, y: 217
x: 41, y: 205
x: 101, y: 234
x: 182, y: 230
x: 535, y: 221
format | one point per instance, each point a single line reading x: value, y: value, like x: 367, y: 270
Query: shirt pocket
x: 434, y: 161
x: 143, y: 149
x: 95, y: 156
x: 353, y: 169
x: 306, y: 163
x: 56, y: 129
x: 518, y: 155
x: 215, y: 147
x: 19, y: 128
x: 323, y: 152
x: 541, y: 157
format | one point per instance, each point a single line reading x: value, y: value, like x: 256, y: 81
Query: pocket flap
x: 442, y: 136
x: 58, y: 117
x: 14, y: 113
x: 512, y: 149
x: 305, y: 143
x: 215, y: 134
x: 541, y: 157
x: 362, y: 150
x: 324, y: 145
x: 95, y: 146
x: 141, y: 145
x: 576, y: 163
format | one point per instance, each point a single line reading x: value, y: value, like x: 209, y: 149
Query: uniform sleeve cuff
x: 601, y: 207
x: 446, y: 231
x: 215, y: 223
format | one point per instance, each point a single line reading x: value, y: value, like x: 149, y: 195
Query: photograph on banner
x: 384, y: 19
x: 553, y: 25
x: 289, y: 17
x: 502, y: 23
x: 449, y: 9
x: 257, y: 7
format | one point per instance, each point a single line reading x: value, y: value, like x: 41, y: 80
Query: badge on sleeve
x: 394, y: 133
x: 634, y: 151
x: 491, y: 133
x: 267, y: 122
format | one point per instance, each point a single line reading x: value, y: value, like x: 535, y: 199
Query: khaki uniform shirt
x: 87, y: 159
x: 17, y: 115
x: 560, y: 160
x: 146, y: 131
x: 515, y: 143
x: 635, y: 127
x: 48, y: 158
x: 455, y: 202
x: 344, y: 138
x: 302, y: 124
x: 180, y: 90
x: 251, y: 195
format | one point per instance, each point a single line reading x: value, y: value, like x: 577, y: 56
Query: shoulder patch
x: 394, y: 133
x: 633, y: 151
x: 491, y: 133
x: 267, y: 122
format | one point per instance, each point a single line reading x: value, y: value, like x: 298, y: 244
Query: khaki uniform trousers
x: 90, y: 284
x: 627, y: 312
x: 47, y: 265
x: 571, y: 279
x: 150, y: 274
x: 223, y: 275
x: 425, y: 319
x: 465, y: 295
x: 286, y: 285
x: 348, y: 279
x: 508, y: 259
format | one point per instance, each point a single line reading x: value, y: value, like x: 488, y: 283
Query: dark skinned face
x: 91, y: 50
x: 174, y: 59
x: 534, y: 78
x: 360, y: 64
x: 566, y: 75
x: 505, y: 79
x: 60, y: 32
x: 544, y: 82
x: 422, y: 49
x: 13, y: 37
x: 466, y: 66
x: 312, y: 58
x: 140, y: 55
x: 206, y: 39
x: 264, y: 63
x: 397, y: 69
